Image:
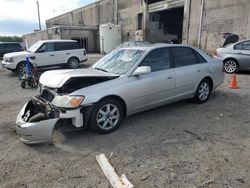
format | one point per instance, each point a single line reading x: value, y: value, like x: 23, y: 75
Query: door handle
x: 67, y: 53
x: 239, y: 53
x: 52, y: 55
x: 198, y: 70
x: 32, y: 57
x: 169, y: 77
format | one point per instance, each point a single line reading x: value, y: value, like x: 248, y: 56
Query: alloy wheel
x: 73, y: 63
x: 230, y: 66
x: 203, y: 91
x: 108, y: 116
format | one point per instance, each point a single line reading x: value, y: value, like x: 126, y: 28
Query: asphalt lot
x: 178, y: 145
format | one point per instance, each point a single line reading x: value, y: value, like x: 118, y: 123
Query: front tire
x: 20, y: 69
x: 73, y: 63
x: 230, y: 66
x: 203, y: 91
x: 107, y: 116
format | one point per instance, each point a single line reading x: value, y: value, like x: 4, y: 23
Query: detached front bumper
x: 41, y: 131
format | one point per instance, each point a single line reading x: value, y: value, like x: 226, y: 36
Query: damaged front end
x: 38, y: 118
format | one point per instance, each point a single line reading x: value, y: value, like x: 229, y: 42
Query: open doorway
x: 166, y: 26
x: 82, y: 41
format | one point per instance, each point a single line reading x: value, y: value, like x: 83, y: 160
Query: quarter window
x: 157, y: 59
x: 184, y: 56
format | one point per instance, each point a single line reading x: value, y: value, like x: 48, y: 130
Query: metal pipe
x: 201, y: 20
x: 38, y: 11
x: 116, y: 12
x: 189, y: 2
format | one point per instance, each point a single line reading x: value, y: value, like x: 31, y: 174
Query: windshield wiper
x: 101, y: 69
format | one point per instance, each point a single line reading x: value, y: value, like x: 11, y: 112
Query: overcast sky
x: 18, y: 17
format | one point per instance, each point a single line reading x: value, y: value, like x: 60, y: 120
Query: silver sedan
x: 124, y: 82
x: 235, y: 57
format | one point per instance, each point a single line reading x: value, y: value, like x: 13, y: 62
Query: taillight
x: 215, y: 53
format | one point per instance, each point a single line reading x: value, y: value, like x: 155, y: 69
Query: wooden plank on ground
x: 109, y: 171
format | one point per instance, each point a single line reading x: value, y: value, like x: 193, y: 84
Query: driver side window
x: 47, y: 47
x: 157, y: 59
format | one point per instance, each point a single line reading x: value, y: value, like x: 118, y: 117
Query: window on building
x: 139, y: 21
x: 183, y: 56
x: 157, y: 59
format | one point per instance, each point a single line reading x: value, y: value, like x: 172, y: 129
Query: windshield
x: 119, y: 62
x: 34, y: 47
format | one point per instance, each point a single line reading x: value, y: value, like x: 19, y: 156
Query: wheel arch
x: 210, y: 81
x: 119, y: 99
x: 73, y: 57
x: 231, y: 58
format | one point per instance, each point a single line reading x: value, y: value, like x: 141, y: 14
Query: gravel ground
x: 178, y: 145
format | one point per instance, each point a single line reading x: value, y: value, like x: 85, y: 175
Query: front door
x: 44, y: 56
x: 155, y: 88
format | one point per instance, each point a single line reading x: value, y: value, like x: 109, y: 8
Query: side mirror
x: 142, y: 70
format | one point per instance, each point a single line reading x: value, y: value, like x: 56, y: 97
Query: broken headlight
x: 66, y: 101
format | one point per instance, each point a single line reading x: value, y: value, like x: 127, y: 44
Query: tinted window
x: 200, y: 59
x: 73, y: 45
x: 47, y: 47
x: 60, y: 46
x: 157, y: 60
x: 238, y: 46
x: 183, y: 56
x: 13, y: 47
x: 246, y: 45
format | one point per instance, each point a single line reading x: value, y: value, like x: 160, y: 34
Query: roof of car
x: 9, y: 42
x: 57, y: 41
x: 159, y: 45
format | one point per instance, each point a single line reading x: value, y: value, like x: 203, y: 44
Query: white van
x: 46, y: 53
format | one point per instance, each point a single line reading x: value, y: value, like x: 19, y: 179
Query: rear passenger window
x: 246, y: 45
x: 61, y: 46
x: 238, y: 46
x: 157, y: 59
x: 183, y: 56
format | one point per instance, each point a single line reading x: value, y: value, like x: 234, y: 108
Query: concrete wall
x: 219, y: 16
x: 93, y: 37
x: 30, y: 39
x: 127, y: 17
x: 91, y: 15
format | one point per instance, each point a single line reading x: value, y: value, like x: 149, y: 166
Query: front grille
x: 47, y: 95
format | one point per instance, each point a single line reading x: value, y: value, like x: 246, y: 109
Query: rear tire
x: 230, y: 66
x: 23, y: 84
x: 73, y: 63
x: 106, y: 116
x: 203, y: 91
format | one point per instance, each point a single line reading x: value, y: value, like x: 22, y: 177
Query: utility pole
x: 38, y: 11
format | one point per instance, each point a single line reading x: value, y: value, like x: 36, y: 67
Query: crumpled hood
x: 17, y: 54
x: 57, y: 78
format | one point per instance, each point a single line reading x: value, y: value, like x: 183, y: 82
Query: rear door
x: 156, y: 88
x: 242, y: 54
x: 190, y: 69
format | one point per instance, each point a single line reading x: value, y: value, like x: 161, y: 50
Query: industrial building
x: 196, y: 22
